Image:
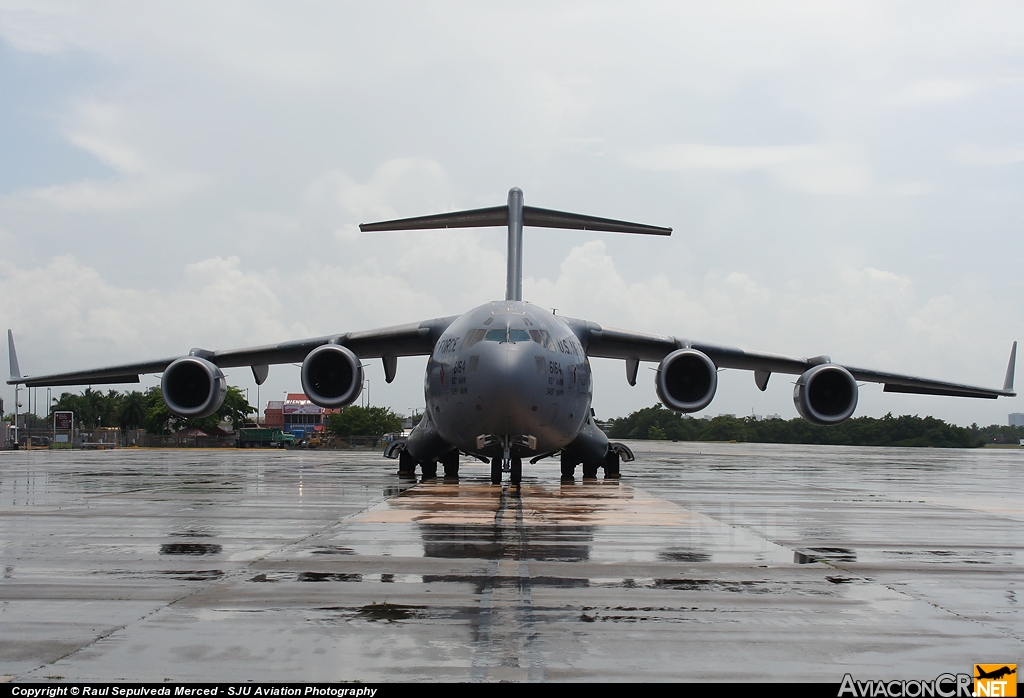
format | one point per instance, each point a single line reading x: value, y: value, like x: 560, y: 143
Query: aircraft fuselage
x: 508, y: 370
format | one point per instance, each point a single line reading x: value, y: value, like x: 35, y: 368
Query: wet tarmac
x: 704, y: 562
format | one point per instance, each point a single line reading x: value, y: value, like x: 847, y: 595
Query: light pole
x: 16, y: 406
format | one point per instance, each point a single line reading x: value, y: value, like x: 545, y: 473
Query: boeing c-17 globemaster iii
x: 509, y: 381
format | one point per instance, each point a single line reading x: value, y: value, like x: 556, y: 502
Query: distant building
x: 1017, y: 419
x: 274, y: 414
x: 297, y: 415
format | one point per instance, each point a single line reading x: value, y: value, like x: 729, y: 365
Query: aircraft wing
x: 411, y: 339
x: 614, y: 343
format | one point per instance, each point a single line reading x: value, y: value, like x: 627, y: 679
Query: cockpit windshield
x: 507, y: 334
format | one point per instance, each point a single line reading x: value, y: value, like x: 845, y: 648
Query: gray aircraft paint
x: 508, y: 368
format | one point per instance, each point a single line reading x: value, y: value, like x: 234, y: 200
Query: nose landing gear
x: 511, y: 464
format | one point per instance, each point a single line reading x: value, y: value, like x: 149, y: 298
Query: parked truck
x: 264, y: 438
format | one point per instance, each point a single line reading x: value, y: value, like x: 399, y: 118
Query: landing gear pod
x: 686, y: 380
x: 825, y: 394
x: 193, y: 387
x: 332, y: 376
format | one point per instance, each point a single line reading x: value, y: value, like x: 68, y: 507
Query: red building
x: 296, y: 415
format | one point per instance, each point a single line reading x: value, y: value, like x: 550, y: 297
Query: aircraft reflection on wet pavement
x: 509, y: 381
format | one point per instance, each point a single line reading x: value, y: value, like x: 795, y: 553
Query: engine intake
x: 193, y: 387
x: 686, y: 380
x: 332, y: 376
x: 825, y: 394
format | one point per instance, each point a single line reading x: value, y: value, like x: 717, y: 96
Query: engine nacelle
x: 332, y: 376
x: 193, y: 387
x: 686, y: 380
x: 825, y: 394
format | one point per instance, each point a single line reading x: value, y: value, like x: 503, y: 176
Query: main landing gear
x: 407, y: 466
x: 507, y: 463
x: 616, y: 454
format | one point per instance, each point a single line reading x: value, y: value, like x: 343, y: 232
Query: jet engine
x: 332, y: 376
x: 193, y: 387
x: 825, y: 394
x: 686, y: 380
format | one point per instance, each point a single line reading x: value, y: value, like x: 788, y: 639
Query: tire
x: 406, y: 465
x: 496, y: 471
x: 516, y: 476
x: 429, y: 470
x: 611, y: 464
x: 568, y: 466
x: 450, y: 461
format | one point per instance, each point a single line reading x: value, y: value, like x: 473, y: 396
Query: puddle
x: 332, y: 550
x: 184, y: 575
x: 969, y: 556
x: 328, y: 577
x: 388, y: 612
x: 542, y: 543
x: 192, y: 533
x: 683, y: 555
x: 190, y: 549
x: 804, y: 557
x: 195, y: 575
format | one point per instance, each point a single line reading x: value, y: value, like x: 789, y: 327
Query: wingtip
x: 15, y: 370
x: 1008, y: 381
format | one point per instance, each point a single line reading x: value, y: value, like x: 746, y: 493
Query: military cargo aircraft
x: 508, y: 380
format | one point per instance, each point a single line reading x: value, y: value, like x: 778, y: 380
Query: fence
x: 172, y: 441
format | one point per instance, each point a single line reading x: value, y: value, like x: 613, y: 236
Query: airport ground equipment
x: 509, y: 380
x: 264, y: 438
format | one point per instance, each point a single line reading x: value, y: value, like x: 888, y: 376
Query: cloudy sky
x: 842, y: 179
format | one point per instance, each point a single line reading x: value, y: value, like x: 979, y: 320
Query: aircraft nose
x: 509, y: 388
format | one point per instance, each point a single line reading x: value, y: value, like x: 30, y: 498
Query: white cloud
x: 121, y: 194
x: 812, y: 169
x: 415, y: 186
x: 927, y: 92
x: 862, y: 315
x: 910, y: 189
x: 980, y: 155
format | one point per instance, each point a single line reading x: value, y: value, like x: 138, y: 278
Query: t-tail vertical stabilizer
x: 515, y: 214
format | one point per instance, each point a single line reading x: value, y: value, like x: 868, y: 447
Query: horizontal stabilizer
x: 477, y: 218
x: 545, y: 218
x: 498, y: 216
x: 516, y: 214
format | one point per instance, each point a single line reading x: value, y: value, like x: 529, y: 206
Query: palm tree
x: 132, y: 411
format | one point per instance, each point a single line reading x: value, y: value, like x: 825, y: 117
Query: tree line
x: 147, y: 410
x: 659, y: 423
x: 138, y: 410
x: 374, y: 422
